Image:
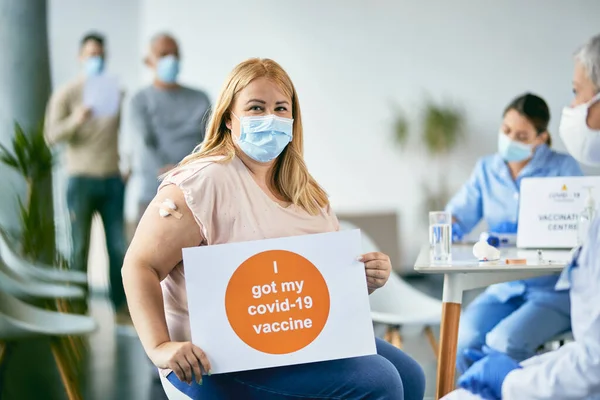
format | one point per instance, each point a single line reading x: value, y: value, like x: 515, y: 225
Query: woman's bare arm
x: 153, y: 253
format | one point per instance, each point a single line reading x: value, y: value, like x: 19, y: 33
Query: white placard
x: 101, y: 93
x: 549, y: 210
x: 278, y: 302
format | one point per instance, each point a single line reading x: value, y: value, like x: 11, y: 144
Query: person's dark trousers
x: 86, y: 196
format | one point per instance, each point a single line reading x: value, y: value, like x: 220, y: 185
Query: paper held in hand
x: 102, y: 94
x: 278, y: 302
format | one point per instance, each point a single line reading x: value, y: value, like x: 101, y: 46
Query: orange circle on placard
x: 277, y: 302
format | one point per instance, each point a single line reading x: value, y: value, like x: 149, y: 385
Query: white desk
x: 464, y: 272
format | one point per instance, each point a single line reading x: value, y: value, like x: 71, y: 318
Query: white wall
x: 70, y: 20
x: 349, y: 59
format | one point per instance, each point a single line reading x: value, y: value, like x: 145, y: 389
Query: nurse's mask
x: 511, y: 150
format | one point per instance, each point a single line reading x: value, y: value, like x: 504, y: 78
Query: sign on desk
x: 278, y: 302
x: 549, y: 210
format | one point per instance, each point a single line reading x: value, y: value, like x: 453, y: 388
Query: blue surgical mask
x: 94, y: 66
x: 511, y: 150
x: 167, y: 69
x: 263, y: 138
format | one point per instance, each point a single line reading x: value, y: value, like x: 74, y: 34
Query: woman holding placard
x: 248, y: 181
x: 513, y: 317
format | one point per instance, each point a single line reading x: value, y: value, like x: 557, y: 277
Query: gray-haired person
x: 167, y: 119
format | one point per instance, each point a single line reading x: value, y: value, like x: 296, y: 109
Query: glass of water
x: 440, y: 235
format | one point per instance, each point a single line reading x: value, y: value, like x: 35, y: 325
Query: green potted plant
x: 31, y: 157
x: 442, y: 129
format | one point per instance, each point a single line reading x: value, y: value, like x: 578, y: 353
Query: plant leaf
x: 442, y: 127
x: 7, y: 158
x: 40, y: 151
x: 21, y: 149
x: 401, y: 129
x: 32, y: 157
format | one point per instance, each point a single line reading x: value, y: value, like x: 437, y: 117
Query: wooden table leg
x: 447, y: 350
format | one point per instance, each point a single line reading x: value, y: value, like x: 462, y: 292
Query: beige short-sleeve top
x: 229, y: 207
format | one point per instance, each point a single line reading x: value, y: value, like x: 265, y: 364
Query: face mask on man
x: 582, y: 142
x: 264, y: 137
x: 167, y: 69
x: 94, y: 65
x: 513, y: 151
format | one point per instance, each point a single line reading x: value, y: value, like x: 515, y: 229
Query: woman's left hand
x: 377, y: 268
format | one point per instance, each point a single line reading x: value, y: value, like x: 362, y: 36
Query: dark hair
x: 94, y: 37
x: 535, y: 109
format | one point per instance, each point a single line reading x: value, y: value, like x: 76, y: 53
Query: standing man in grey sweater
x: 168, y: 120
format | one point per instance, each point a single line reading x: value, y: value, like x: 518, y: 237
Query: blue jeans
x: 517, y: 327
x: 390, y: 374
x: 86, y: 196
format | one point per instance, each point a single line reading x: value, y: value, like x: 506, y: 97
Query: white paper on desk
x: 461, y: 394
x: 102, y: 94
x: 218, y: 296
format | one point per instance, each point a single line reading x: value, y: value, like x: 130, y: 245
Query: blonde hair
x: 290, y: 175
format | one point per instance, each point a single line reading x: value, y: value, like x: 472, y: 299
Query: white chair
x: 28, y: 289
x: 39, y: 272
x: 19, y: 321
x: 398, y: 304
x: 171, y: 391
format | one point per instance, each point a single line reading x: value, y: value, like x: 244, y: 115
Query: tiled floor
x: 117, y: 367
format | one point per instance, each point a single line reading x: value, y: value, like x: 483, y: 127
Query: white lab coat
x: 573, y: 371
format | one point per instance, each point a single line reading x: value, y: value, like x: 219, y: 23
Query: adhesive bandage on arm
x: 168, y: 207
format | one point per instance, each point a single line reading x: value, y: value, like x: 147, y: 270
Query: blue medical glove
x: 486, y: 376
x: 504, y: 227
x: 467, y: 358
x: 457, y: 233
x: 474, y: 355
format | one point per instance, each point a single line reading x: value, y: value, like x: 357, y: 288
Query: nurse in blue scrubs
x: 514, y: 317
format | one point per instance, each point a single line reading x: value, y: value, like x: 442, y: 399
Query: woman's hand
x: 377, y: 268
x: 183, y: 358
